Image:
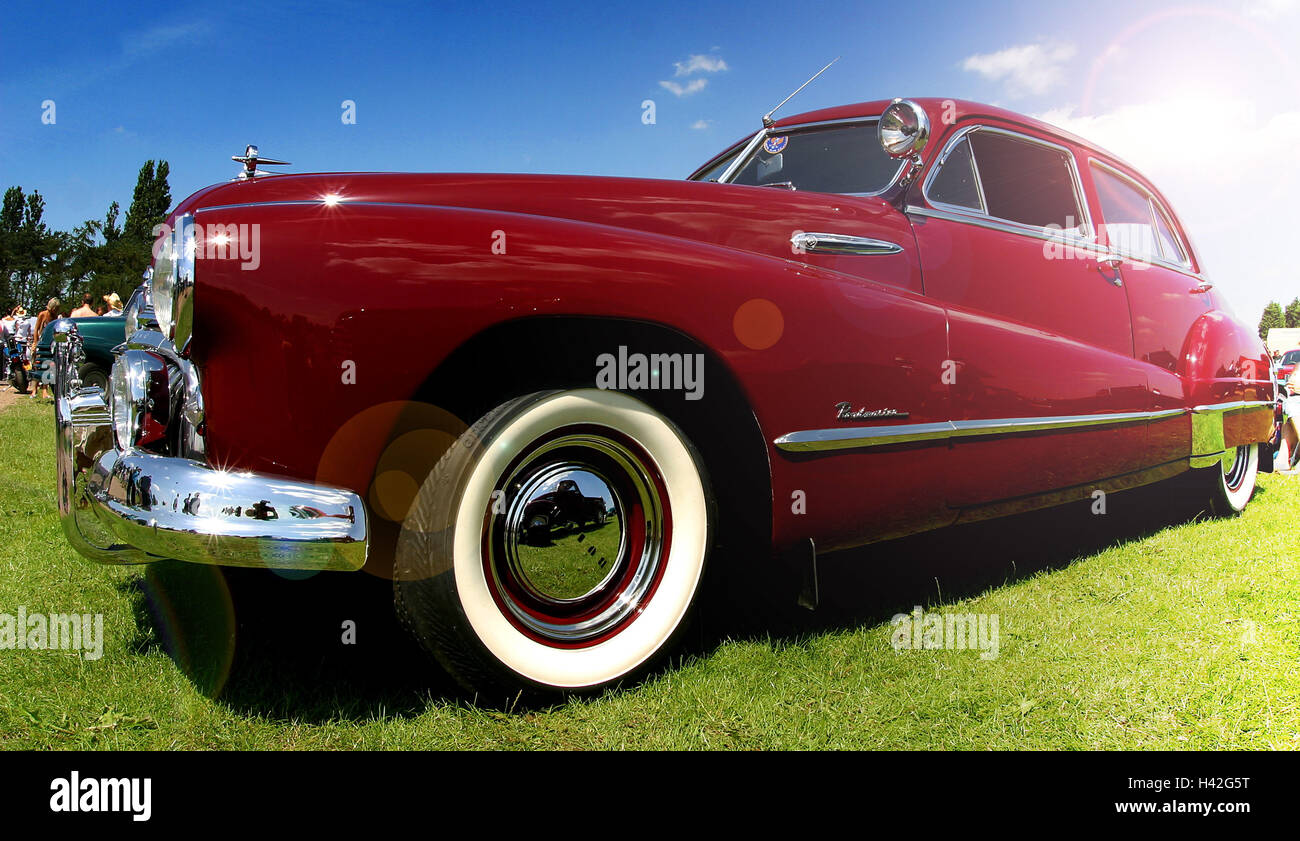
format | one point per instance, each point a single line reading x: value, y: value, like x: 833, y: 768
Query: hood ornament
x: 250, y: 159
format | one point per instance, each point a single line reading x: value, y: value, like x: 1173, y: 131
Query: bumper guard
x: 130, y: 506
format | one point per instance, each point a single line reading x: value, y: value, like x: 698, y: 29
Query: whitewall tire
x: 598, y: 591
x: 1232, y: 483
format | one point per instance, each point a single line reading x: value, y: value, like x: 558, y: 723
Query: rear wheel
x: 20, y: 380
x: 1232, y: 482
x: 503, y: 610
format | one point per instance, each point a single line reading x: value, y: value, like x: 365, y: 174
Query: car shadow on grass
x: 869, y: 585
x: 328, y: 647
x: 323, y: 648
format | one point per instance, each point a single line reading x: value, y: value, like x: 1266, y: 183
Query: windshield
x: 1291, y: 357
x: 838, y: 158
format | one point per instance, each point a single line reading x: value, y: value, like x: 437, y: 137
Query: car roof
x: 961, y: 109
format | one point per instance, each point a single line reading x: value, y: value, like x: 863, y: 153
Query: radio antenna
x: 767, y: 118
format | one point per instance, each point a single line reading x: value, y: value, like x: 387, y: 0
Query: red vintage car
x: 856, y: 324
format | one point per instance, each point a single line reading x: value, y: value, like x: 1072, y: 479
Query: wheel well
x: 535, y: 354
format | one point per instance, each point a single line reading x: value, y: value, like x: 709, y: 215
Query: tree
x: 26, y: 245
x: 1293, y: 313
x: 149, y: 202
x: 1272, y: 318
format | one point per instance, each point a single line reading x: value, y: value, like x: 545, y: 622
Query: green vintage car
x: 99, y: 335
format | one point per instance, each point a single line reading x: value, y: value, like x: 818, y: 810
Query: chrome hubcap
x: 576, y: 537
x: 563, y: 500
x: 1235, y: 464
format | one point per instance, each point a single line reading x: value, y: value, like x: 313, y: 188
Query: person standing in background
x: 49, y: 314
x: 114, y: 304
x: 85, y: 310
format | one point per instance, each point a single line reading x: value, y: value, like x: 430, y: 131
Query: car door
x: 1165, y: 294
x: 1044, y: 389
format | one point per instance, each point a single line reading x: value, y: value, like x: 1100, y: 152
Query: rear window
x: 1134, y: 221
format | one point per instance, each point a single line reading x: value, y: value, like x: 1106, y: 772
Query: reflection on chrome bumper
x: 133, y: 507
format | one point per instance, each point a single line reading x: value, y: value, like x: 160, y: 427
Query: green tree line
x: 100, y: 256
x: 1275, y: 316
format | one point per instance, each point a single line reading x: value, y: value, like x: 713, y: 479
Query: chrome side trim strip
x: 1003, y: 426
x: 1230, y: 407
x: 844, y: 438
x: 819, y: 440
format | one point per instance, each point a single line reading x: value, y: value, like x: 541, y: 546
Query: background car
x: 100, y: 335
x: 1286, y: 364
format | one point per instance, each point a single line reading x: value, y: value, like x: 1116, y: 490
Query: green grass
x: 1136, y: 630
x: 573, y: 560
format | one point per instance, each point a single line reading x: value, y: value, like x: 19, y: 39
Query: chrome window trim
x: 975, y: 173
x: 749, y: 148
x: 1159, y: 216
x: 995, y: 224
x: 1076, y: 182
x: 843, y: 438
x: 1174, y: 227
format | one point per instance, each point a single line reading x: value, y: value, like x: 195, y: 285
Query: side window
x: 1134, y: 223
x: 955, y: 182
x: 1010, y: 178
x: 715, y: 171
x: 1026, y: 182
x: 1168, y: 241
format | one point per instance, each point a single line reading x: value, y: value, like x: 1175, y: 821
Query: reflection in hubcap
x: 563, y: 532
x: 576, y: 537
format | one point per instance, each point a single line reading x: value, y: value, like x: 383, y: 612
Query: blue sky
x: 546, y: 87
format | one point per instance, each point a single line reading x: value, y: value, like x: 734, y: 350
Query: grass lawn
x: 1139, y: 629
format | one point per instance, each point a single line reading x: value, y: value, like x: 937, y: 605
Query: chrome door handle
x: 1113, y: 262
x: 841, y: 244
x: 1203, y: 286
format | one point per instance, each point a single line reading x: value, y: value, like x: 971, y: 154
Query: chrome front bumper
x: 130, y: 506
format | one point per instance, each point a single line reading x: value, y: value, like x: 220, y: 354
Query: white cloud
x: 693, y: 86
x: 1269, y: 9
x: 1028, y: 68
x: 700, y: 125
x: 698, y: 64
x: 162, y: 37
x: 1236, y: 202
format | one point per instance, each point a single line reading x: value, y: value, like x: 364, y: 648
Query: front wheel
x: 586, y: 608
x: 91, y: 375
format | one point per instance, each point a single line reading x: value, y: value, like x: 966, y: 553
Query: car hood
x: 760, y: 219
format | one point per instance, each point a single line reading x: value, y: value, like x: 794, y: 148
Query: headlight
x: 125, y: 416
x: 140, y: 398
x: 173, y: 282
